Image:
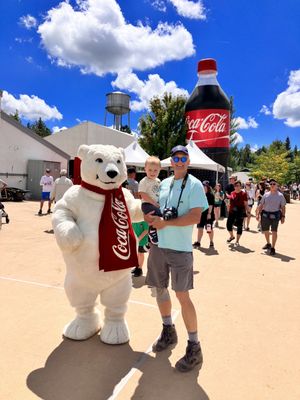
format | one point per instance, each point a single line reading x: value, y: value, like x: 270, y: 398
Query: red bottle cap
x: 207, y: 64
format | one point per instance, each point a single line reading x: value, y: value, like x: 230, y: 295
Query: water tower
x: 117, y: 103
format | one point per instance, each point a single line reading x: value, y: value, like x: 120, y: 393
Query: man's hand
x: 282, y: 220
x: 159, y: 223
x: 149, y: 217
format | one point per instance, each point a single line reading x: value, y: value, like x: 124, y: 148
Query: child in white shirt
x: 149, y: 192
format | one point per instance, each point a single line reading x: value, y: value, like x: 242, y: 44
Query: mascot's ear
x: 122, y: 152
x: 82, y: 151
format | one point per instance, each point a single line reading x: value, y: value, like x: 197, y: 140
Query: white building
x: 19, y: 147
x: 88, y: 132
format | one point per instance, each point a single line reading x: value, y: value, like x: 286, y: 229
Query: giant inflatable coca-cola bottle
x: 208, y: 116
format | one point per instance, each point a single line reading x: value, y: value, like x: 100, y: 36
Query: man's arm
x: 191, y: 218
x: 283, y: 214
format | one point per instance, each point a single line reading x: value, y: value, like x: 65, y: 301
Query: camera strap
x: 182, y: 188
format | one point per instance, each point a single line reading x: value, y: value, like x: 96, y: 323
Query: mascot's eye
x: 99, y: 160
x: 119, y: 162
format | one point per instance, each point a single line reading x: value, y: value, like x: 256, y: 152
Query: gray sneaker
x: 193, y: 356
x: 167, y: 337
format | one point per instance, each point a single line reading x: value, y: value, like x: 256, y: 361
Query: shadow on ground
x: 91, y: 370
x: 49, y: 231
x: 162, y: 381
x: 281, y: 257
x: 211, y: 251
x: 240, y: 249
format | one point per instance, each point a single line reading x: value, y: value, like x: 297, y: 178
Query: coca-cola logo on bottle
x: 208, y: 128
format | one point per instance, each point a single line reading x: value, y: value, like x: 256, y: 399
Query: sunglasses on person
x: 273, y: 184
x: 176, y: 159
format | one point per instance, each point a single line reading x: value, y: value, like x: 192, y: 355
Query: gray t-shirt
x: 272, y: 201
x: 132, y: 185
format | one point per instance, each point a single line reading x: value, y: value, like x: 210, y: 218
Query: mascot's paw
x: 83, y: 327
x: 68, y: 236
x: 115, y: 332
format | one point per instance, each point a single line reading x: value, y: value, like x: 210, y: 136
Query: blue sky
x: 59, y: 59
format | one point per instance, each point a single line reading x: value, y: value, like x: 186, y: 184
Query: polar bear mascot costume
x: 92, y: 225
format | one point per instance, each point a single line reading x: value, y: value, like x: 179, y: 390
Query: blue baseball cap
x: 179, y: 149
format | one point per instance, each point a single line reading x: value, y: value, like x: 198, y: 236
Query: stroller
x: 3, y: 214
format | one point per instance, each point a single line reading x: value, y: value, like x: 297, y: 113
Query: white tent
x: 135, y: 155
x: 198, y: 159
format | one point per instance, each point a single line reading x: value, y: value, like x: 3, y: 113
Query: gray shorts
x: 163, y: 261
x: 267, y: 223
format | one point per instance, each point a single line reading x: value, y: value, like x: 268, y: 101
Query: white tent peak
x: 135, y: 154
x: 198, y: 159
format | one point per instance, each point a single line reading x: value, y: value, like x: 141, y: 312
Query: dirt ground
x: 248, y: 306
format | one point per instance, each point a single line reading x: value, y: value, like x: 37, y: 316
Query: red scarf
x: 117, y: 244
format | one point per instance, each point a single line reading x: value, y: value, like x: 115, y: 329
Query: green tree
x: 164, y: 126
x: 272, y: 164
x: 246, y: 156
x: 295, y: 151
x: 125, y: 128
x: 16, y: 116
x: 40, y: 128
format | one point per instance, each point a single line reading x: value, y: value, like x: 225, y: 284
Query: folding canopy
x: 198, y: 159
x: 135, y: 155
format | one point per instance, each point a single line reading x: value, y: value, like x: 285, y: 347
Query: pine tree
x: 16, y: 116
x: 40, y: 128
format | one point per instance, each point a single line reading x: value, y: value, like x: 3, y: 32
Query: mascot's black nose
x: 112, y: 174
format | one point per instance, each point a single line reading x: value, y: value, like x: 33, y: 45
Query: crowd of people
x: 171, y: 209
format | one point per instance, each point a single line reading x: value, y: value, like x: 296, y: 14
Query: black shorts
x: 267, y: 223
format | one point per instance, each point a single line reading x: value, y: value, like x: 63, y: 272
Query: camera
x: 170, y: 213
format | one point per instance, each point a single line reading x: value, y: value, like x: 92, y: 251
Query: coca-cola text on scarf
x: 117, y: 244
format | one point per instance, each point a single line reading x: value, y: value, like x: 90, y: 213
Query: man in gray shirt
x: 132, y: 184
x: 271, y: 210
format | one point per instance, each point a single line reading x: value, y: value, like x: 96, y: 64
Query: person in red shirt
x: 238, y: 210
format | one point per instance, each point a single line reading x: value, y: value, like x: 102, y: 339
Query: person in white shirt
x: 47, y: 186
x: 61, y: 185
x: 251, y: 197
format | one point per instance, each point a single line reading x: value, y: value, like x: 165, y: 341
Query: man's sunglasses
x: 273, y: 184
x: 176, y: 159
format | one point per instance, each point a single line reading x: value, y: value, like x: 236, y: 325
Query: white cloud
x: 23, y: 40
x: 80, y: 121
x: 159, y: 5
x: 28, y: 21
x: 96, y: 37
x: 56, y: 129
x: 145, y: 90
x: 29, y: 107
x: 265, y: 110
x: 287, y: 103
x: 246, y: 124
x: 254, y: 148
x: 190, y: 9
x: 237, y: 138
